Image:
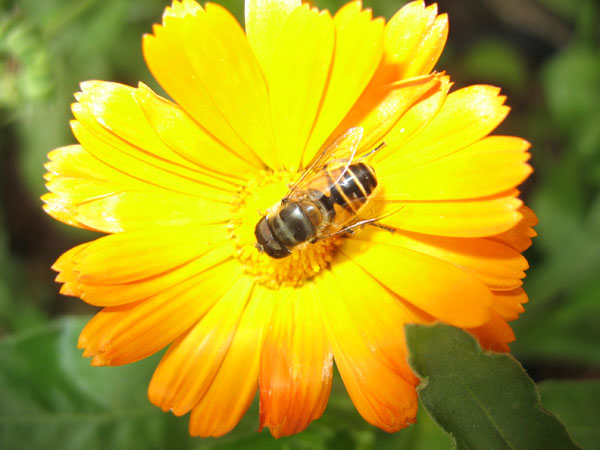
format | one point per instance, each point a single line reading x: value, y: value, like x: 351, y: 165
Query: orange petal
x: 432, y: 285
x: 509, y: 304
x: 137, y: 255
x: 358, y: 50
x: 191, y: 363
x: 381, y: 396
x: 296, y: 365
x: 495, y: 334
x: 491, y: 165
x: 221, y: 407
x: 498, y: 266
x: 218, y: 81
x: 414, y: 39
x: 378, y: 314
x: 303, y: 52
x: 67, y: 274
x: 466, y: 116
x: 519, y: 236
x: 265, y: 21
x: 119, y: 294
x: 477, y: 218
x: 125, y: 334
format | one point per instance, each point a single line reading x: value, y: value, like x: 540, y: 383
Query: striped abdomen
x: 350, y: 192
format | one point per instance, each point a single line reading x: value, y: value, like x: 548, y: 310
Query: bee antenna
x: 375, y: 150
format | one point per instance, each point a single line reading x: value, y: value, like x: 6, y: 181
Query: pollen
x: 252, y: 203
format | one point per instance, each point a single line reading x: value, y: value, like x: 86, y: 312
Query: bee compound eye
x: 275, y: 250
x: 262, y: 231
x: 267, y: 242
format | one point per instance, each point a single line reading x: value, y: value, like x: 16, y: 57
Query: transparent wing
x: 374, y: 212
x: 341, y: 151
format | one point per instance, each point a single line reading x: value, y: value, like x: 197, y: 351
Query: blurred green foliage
x: 545, y: 54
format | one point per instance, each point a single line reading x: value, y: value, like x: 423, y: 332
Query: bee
x: 334, y: 195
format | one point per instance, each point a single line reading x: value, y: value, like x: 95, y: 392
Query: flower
x: 179, y: 186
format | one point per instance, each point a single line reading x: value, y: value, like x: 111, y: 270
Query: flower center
x: 307, y: 259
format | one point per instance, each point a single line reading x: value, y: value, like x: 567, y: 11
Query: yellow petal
x: 494, y: 164
x: 303, y: 54
x: 415, y: 119
x: 87, y: 193
x: 74, y: 161
x: 181, y: 8
x: 380, y: 108
x: 119, y: 294
x: 112, y: 108
x: 131, y: 210
x: 265, y: 20
x: 296, y: 365
x: 498, y: 266
x: 156, y: 174
x: 218, y: 80
x: 381, y: 396
x: 221, y: 407
x: 414, y: 39
x: 477, y: 218
x: 466, y: 116
x: 358, y: 50
x: 432, y: 285
x: 64, y: 264
x: 191, y: 363
x: 189, y: 140
x: 137, y: 255
x: 125, y: 334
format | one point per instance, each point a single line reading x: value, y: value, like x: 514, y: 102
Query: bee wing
x: 342, y: 150
x: 372, y: 213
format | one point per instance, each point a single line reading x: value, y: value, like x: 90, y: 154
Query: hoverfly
x: 334, y: 195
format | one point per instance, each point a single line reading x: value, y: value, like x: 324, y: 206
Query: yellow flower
x: 180, y: 186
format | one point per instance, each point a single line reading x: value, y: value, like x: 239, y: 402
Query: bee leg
x: 383, y: 227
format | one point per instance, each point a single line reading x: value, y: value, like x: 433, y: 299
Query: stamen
x: 307, y: 260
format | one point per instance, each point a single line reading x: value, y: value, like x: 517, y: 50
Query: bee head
x: 267, y: 242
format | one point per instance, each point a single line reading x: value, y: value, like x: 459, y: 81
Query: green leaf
x: 577, y: 403
x: 52, y: 398
x: 483, y: 400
